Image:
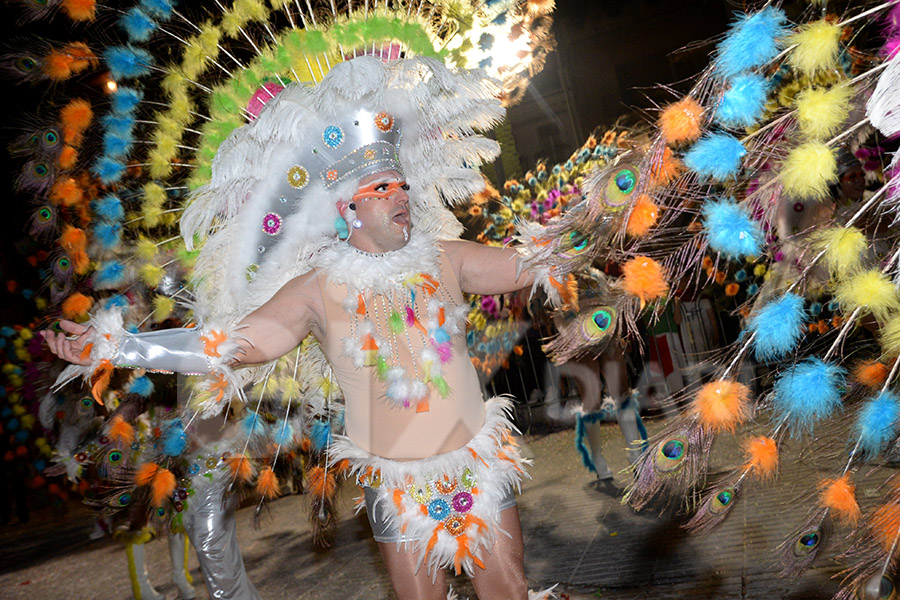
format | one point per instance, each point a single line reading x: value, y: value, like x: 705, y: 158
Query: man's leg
x: 408, y: 583
x: 503, y: 577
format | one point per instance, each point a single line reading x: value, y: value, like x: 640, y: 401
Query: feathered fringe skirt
x: 446, y: 506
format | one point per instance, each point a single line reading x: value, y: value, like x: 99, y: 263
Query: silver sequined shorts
x: 385, y: 533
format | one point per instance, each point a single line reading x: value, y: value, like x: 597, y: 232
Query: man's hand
x: 70, y: 347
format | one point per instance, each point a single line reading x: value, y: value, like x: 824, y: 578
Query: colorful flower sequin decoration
x: 333, y: 136
x: 446, y: 499
x: 272, y: 224
x: 384, y: 122
x: 297, y: 177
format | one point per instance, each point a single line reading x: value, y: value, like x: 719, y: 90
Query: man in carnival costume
x: 327, y: 216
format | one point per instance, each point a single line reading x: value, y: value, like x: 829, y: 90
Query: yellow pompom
x: 162, y: 308
x: 808, y: 170
x: 146, y: 249
x: 821, y: 112
x: 872, y: 291
x: 817, y: 47
x: 151, y: 274
x: 844, y: 248
x: 890, y: 336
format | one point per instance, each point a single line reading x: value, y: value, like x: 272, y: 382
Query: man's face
x: 382, y: 209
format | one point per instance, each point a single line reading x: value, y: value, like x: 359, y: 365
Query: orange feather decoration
x: 80, y: 10
x: 120, y: 430
x: 884, y: 524
x: 722, y: 405
x: 240, y: 467
x: 321, y: 484
x: 644, y: 277
x: 762, y: 455
x: 162, y: 487
x: 100, y: 379
x: 76, y: 305
x: 267, y: 484
x: 76, y: 117
x: 682, y: 121
x: 74, y: 58
x: 644, y: 215
x: 145, y: 473
x: 871, y: 373
x: 839, y: 495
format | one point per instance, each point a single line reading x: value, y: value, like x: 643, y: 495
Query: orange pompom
x: 644, y: 215
x: 664, y: 170
x: 162, y: 487
x: 839, y: 495
x: 120, y: 430
x: 762, y: 455
x: 870, y: 373
x: 68, y: 158
x: 722, y: 405
x: 732, y: 289
x: 267, y: 484
x: 644, y: 277
x: 74, y: 58
x: 77, y: 305
x: 322, y: 484
x: 681, y: 122
x: 145, y: 473
x: 80, y: 10
x: 885, y: 523
x: 76, y: 116
x: 100, y: 379
x: 66, y: 191
x: 240, y: 467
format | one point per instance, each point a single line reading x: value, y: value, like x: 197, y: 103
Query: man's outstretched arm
x: 486, y: 270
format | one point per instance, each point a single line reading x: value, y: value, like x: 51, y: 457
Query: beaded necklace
x: 394, y: 299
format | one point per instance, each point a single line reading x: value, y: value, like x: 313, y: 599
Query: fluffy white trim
x: 490, y: 456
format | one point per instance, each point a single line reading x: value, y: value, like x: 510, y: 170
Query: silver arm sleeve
x: 178, y: 350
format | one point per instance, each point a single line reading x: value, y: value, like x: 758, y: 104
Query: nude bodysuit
x: 371, y: 422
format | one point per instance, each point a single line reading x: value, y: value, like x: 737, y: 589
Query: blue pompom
x: 109, y: 207
x: 730, y: 229
x: 283, y: 433
x: 117, y: 301
x: 116, y: 146
x: 320, y: 434
x: 174, y: 440
x: 126, y: 62
x: 778, y: 327
x: 119, y: 124
x: 808, y: 392
x: 138, y: 25
x: 161, y: 9
x: 110, y: 274
x: 752, y: 41
x: 125, y: 100
x: 877, y: 423
x: 716, y: 155
x: 108, y: 234
x: 744, y: 102
x: 253, y: 425
x: 109, y: 170
x: 142, y: 386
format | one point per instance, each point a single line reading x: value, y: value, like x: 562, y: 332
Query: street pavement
x: 576, y: 535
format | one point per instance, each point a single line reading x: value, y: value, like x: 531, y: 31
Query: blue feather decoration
x: 119, y: 123
x: 109, y: 275
x: 808, y: 392
x: 174, y: 440
x: 744, y: 102
x: 109, y: 207
x: 778, y: 327
x: 161, y: 9
x: 138, y: 25
x: 125, y: 100
x: 117, y: 301
x: 126, y: 62
x: 752, y: 41
x: 142, y: 386
x: 252, y: 425
x: 320, y: 434
x: 730, y: 229
x: 716, y: 155
x: 877, y: 423
x: 109, y: 170
x: 116, y: 146
x: 108, y: 234
x: 283, y: 433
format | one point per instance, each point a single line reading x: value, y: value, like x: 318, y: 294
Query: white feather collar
x: 379, y: 273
